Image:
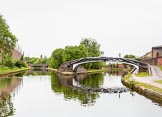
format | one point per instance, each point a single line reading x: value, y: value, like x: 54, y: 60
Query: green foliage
x: 87, y: 48
x: 8, y: 61
x: 130, y: 56
x: 36, y: 60
x: 160, y: 67
x: 44, y: 60
x: 73, y: 52
x: 127, y: 77
x: 20, y: 64
x: 7, y: 39
x: 92, y: 47
x: 56, y: 58
x: 132, y: 83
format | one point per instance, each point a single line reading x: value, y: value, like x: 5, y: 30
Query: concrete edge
x: 148, y: 93
x: 72, y: 73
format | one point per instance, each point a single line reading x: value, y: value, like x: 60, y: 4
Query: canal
x: 44, y: 94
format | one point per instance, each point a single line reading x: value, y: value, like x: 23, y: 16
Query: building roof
x: 160, y: 46
x: 147, y: 55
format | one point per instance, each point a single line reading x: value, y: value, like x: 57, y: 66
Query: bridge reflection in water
x: 85, y: 88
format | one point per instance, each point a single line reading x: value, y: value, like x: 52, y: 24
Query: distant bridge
x: 38, y: 66
x: 138, y: 66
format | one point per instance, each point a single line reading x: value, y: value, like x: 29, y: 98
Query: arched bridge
x: 73, y: 65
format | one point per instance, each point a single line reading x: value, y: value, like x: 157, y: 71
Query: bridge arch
x: 137, y: 64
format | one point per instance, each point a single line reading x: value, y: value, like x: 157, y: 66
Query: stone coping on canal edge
x: 72, y: 73
x: 13, y: 72
x: 148, y: 93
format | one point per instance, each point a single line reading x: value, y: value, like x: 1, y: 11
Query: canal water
x: 44, y: 94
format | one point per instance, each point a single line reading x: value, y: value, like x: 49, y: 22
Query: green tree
x: 56, y: 58
x: 92, y: 47
x: 7, y: 39
x: 44, y: 60
x: 74, y: 52
x: 92, y: 50
x: 87, y: 48
x: 130, y: 56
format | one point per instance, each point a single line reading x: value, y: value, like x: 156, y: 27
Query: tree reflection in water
x: 6, y: 106
x: 63, y: 85
x: 7, y: 85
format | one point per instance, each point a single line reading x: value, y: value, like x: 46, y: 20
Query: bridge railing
x: 135, y: 62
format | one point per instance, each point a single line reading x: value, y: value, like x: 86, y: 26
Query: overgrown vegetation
x: 87, y: 48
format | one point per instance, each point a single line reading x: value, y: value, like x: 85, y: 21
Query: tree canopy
x: 92, y: 47
x: 7, y: 39
x: 87, y: 48
x: 130, y: 56
x: 56, y: 58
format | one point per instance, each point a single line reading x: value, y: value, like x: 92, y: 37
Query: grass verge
x: 159, y: 81
x: 127, y: 77
x: 160, y: 67
x: 142, y: 74
x: 148, y: 86
x: 5, y: 70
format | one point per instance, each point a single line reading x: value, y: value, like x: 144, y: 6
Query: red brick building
x: 16, y: 54
x: 154, y: 57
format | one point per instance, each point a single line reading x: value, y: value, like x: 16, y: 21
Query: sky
x: 119, y: 26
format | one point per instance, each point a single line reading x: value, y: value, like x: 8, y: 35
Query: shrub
x: 8, y: 62
x: 20, y: 63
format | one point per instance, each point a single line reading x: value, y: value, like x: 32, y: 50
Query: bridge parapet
x: 73, y: 66
x: 38, y: 66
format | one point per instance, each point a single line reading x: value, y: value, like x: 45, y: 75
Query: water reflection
x: 6, y: 105
x: 85, y: 88
x: 7, y: 85
x: 61, y: 85
x: 36, y: 72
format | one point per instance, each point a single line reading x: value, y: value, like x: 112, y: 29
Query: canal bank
x: 147, y: 85
x: 12, y: 71
x: 92, y: 71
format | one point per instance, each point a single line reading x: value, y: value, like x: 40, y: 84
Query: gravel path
x: 156, y: 75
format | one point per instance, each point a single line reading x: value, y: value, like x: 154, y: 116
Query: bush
x: 8, y: 62
x: 20, y: 64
